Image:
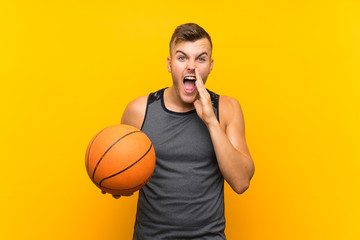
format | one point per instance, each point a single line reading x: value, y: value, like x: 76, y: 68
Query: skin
x: 228, y: 135
x: 185, y: 57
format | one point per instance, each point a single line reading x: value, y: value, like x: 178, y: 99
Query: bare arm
x: 228, y: 139
x: 133, y: 115
x: 230, y: 145
x: 134, y: 112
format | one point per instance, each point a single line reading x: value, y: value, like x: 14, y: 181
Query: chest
x: 185, y: 138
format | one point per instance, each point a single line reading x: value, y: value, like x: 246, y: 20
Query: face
x: 185, y: 57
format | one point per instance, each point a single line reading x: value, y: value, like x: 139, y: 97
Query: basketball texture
x: 120, y: 159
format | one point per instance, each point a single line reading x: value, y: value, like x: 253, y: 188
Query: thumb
x: 197, y: 103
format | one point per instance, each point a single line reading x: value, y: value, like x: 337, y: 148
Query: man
x: 199, y: 140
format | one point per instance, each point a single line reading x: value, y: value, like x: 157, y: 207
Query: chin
x: 189, y: 99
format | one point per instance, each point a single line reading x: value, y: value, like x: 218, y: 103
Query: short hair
x: 189, y: 32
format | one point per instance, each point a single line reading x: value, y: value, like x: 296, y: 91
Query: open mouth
x: 189, y: 84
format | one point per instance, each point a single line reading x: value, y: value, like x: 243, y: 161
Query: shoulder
x: 229, y: 110
x: 138, y: 103
x: 134, y: 112
x: 228, y: 102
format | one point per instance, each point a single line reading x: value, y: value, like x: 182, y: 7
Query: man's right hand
x: 117, y: 196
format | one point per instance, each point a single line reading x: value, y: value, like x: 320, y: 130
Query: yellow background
x: 68, y: 68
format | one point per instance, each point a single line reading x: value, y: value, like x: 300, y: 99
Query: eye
x: 181, y: 58
x: 202, y: 59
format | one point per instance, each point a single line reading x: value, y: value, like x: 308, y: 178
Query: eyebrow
x: 179, y: 51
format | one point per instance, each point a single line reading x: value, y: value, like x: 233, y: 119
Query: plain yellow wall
x: 68, y: 68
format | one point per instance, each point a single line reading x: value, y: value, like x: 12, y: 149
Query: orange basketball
x: 120, y: 159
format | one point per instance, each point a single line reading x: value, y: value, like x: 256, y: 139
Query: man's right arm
x: 133, y: 115
x: 134, y: 112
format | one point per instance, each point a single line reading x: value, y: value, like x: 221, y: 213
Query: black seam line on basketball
x: 127, y: 167
x: 128, y: 188
x: 88, y: 153
x: 93, y: 177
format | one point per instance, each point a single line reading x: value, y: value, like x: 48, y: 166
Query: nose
x: 191, y: 65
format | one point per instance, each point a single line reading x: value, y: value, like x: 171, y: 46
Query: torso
x: 184, y: 197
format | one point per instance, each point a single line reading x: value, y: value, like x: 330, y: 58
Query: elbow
x: 241, y: 183
x: 241, y: 187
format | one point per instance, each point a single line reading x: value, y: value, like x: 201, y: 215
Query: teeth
x: 190, y: 78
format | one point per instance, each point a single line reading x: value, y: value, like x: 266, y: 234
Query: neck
x: 173, y: 101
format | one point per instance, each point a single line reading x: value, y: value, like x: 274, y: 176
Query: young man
x: 199, y: 140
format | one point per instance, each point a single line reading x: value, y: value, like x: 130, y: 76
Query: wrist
x: 213, y: 123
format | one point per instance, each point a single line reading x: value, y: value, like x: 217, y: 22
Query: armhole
x: 152, y: 97
x: 215, y: 102
x: 146, y: 110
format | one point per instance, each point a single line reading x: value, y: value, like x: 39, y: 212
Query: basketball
x: 120, y: 159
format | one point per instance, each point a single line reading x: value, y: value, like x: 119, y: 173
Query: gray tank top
x: 184, y: 198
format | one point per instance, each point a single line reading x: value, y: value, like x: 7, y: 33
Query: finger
x: 198, y: 78
x: 197, y: 75
x: 199, y: 83
x: 202, y: 90
x: 197, y: 101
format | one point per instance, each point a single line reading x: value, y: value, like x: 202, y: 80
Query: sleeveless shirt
x: 184, y: 199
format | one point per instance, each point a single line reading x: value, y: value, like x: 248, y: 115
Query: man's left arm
x: 234, y: 160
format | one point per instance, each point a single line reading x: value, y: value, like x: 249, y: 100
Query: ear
x: 211, y: 64
x: 169, y: 64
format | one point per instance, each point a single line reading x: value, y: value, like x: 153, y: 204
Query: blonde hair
x: 188, y: 32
